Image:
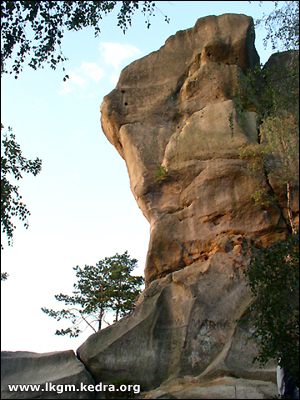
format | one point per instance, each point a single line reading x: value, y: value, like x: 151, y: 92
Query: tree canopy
x: 282, y: 25
x: 107, y: 287
x: 32, y: 32
x: 13, y: 166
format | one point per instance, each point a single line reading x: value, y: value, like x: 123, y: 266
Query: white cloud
x: 75, y: 80
x: 81, y: 77
x: 115, y: 54
x: 65, y: 88
x: 92, y: 71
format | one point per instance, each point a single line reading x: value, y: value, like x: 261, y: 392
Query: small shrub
x: 161, y: 173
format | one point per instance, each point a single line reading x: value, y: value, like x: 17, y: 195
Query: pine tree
x: 106, y: 287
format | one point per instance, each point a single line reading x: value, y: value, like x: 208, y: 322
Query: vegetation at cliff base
x: 106, y: 287
x: 273, y: 278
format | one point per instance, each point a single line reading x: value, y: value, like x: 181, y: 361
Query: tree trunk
x: 289, y: 208
x: 101, y: 314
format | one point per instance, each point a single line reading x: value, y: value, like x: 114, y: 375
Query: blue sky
x: 81, y: 204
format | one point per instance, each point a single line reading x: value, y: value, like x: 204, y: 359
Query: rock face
x: 184, y: 324
x: 220, y: 388
x: 58, y: 368
x: 173, y: 119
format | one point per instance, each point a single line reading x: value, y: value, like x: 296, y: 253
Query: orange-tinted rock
x: 173, y: 118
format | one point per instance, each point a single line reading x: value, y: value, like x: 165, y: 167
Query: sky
x: 82, y: 209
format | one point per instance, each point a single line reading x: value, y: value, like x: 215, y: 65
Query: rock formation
x: 57, y: 368
x: 184, y: 324
x: 174, y: 120
x: 219, y: 388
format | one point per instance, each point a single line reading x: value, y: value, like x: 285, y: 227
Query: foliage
x: 282, y: 25
x: 280, y: 137
x: 161, y: 173
x: 279, y: 73
x: 266, y: 87
x: 273, y: 277
x: 4, y: 276
x: 107, y: 286
x: 263, y: 88
x: 277, y: 149
x: 13, y: 165
x: 231, y: 125
x: 273, y: 274
x: 34, y: 30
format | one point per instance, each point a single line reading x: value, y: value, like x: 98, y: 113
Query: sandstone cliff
x: 174, y: 120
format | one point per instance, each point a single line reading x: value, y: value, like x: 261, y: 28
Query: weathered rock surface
x: 57, y: 368
x: 173, y: 119
x: 220, y: 388
x: 184, y: 324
